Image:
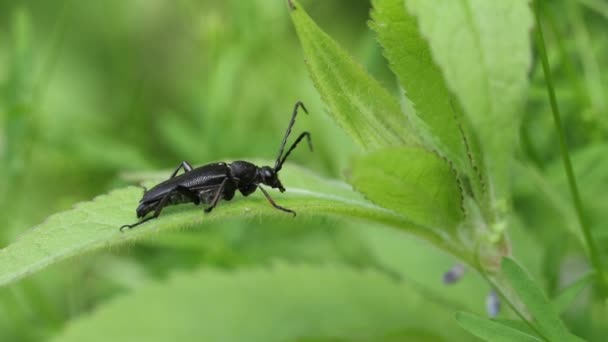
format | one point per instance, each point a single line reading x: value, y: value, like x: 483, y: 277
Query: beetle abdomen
x: 177, y: 198
x: 144, y: 208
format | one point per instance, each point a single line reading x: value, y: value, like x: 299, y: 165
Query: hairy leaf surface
x: 413, y: 182
x: 483, y: 49
x: 444, y: 128
x: 92, y: 225
x: 356, y: 101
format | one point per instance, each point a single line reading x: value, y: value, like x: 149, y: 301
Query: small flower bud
x: 493, y: 304
x: 454, y: 274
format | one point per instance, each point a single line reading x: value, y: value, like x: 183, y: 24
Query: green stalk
x: 591, y: 246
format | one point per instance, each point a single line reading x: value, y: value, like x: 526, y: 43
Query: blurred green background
x: 92, y: 92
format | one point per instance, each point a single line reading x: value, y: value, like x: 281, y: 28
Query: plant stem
x: 591, y: 247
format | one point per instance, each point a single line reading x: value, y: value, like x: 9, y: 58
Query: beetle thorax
x: 244, y: 172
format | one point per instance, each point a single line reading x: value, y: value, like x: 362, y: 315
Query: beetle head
x: 268, y: 176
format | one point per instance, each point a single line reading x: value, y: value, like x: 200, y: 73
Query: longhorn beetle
x: 210, y: 183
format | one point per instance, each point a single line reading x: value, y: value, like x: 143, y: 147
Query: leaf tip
x: 291, y: 4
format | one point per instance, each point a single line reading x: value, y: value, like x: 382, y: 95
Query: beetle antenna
x: 280, y: 158
x: 293, y: 146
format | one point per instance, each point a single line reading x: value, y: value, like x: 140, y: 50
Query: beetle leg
x: 216, y: 197
x: 163, y: 203
x: 159, y: 207
x: 129, y: 226
x: 274, y: 204
x: 191, y: 195
x: 184, y: 165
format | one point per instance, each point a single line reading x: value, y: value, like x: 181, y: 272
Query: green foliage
x: 94, y: 95
x: 590, y: 243
x: 368, y: 113
x: 283, y: 303
x: 436, y: 120
x: 544, y: 317
x: 492, y: 331
x: 591, y: 170
x: 483, y: 50
x: 565, y: 298
x: 410, y: 58
x: 93, y: 225
x: 413, y: 182
x: 541, y: 319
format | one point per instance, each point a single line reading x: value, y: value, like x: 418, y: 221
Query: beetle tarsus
x: 131, y: 226
x: 128, y: 226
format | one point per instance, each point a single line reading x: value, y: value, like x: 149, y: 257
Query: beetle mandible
x: 211, y: 183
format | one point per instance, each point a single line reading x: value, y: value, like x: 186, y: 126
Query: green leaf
x: 548, y: 199
x: 411, y: 181
x: 568, y: 294
x: 544, y: 316
x: 547, y: 205
x: 492, y: 330
x: 597, y: 6
x: 484, y: 50
x: 524, y: 327
x: 357, y: 102
x: 410, y: 59
x: 93, y: 225
x: 282, y: 303
x: 517, y: 325
x: 401, y: 254
x: 591, y: 171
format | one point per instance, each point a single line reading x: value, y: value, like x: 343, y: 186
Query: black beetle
x: 210, y: 183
